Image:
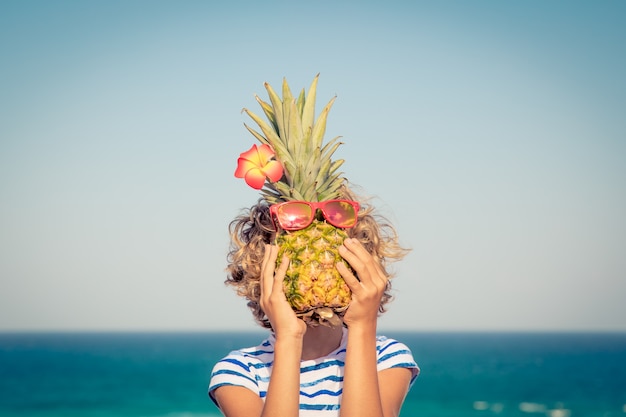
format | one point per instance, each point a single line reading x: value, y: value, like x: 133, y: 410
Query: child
x: 309, y: 366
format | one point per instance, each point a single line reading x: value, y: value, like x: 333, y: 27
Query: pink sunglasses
x: 296, y: 215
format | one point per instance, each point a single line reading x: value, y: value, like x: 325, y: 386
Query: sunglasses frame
x: 319, y: 205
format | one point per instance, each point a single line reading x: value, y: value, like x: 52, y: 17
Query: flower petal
x: 243, y: 166
x: 257, y: 163
x: 253, y: 155
x: 255, y: 178
x: 273, y: 170
x: 248, y: 160
x: 265, y: 153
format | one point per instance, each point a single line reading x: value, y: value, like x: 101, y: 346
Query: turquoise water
x: 150, y: 375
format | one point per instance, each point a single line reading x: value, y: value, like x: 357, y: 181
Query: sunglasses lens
x: 294, y: 215
x: 340, y: 213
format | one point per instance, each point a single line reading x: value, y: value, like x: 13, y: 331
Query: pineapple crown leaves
x: 296, y: 137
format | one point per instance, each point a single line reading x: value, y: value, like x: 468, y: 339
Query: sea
x: 166, y: 374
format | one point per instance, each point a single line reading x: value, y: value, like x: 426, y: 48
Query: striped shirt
x: 321, y: 379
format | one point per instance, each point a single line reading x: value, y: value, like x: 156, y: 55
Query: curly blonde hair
x: 251, y: 230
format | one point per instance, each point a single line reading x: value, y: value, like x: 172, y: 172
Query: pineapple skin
x: 312, y: 280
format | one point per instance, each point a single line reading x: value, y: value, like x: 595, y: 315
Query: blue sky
x: 491, y: 133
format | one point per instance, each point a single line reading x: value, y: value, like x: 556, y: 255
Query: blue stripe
x: 262, y: 394
x: 262, y: 365
x: 252, y: 352
x: 333, y: 378
x: 384, y: 348
x: 238, y: 363
x: 259, y: 352
x: 262, y: 378
x: 246, y: 366
x: 391, y: 355
x: 321, y: 366
x: 319, y: 406
x: 224, y: 384
x: 235, y: 373
x: 322, y: 392
x: 404, y: 365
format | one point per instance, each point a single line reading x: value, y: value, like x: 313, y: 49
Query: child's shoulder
x: 395, y: 354
x: 387, y: 346
x: 382, y: 340
x: 264, y: 347
x: 263, y: 350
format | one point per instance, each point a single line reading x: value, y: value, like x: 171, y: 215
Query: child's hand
x: 368, y: 290
x: 273, y: 301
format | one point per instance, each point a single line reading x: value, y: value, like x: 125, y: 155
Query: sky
x: 491, y: 134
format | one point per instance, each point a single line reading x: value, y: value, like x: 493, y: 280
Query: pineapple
x: 312, y: 283
x: 313, y: 286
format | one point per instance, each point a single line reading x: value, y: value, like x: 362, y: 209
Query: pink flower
x: 256, y: 164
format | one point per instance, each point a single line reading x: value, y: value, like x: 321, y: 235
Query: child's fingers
x: 349, y: 278
x: 267, y: 270
x: 279, y: 275
x: 367, y: 267
x: 349, y: 252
